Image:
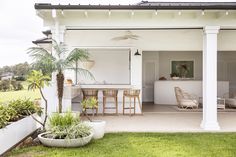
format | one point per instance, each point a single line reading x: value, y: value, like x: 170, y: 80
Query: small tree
x: 37, y: 80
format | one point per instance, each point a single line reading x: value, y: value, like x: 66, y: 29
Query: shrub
x: 3, y: 117
x: 5, y: 85
x: 67, y: 126
x: 24, y: 107
x: 20, y: 78
x: 16, y: 85
x: 16, y: 110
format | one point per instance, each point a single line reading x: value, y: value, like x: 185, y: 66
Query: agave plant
x: 59, y: 60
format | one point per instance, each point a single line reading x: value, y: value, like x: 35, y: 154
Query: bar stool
x: 88, y: 93
x: 131, y: 93
x: 110, y: 93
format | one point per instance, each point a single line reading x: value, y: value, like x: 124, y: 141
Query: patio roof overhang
x: 144, y: 5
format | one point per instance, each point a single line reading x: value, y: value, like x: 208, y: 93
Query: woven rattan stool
x: 131, y: 94
x: 110, y: 93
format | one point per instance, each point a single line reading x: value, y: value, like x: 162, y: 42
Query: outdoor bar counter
x: 72, y: 91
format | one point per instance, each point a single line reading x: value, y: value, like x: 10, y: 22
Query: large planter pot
x: 98, y: 127
x: 64, y: 142
x: 15, y: 132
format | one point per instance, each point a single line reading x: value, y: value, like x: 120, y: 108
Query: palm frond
x: 86, y: 73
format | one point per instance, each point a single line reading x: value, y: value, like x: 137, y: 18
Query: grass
x: 144, y: 145
x: 22, y: 94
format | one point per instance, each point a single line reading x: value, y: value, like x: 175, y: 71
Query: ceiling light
x: 227, y: 13
x: 179, y: 13
x: 109, y: 13
x: 156, y: 12
x: 86, y: 13
x: 54, y: 13
x: 132, y: 13
x: 203, y: 13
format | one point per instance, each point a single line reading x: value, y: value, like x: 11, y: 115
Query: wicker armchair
x: 186, y: 100
x: 230, y: 99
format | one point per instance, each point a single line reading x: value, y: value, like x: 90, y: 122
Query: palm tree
x: 37, y: 80
x: 78, y: 55
x: 58, y: 61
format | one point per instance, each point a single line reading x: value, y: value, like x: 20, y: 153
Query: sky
x: 19, y: 25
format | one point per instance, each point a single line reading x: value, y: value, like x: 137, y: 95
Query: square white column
x: 209, y: 121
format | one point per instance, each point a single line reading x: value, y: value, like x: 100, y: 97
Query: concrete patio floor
x: 166, y: 118
x: 165, y: 122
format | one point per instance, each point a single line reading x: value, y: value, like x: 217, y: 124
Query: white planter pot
x: 64, y: 142
x: 98, y: 128
x: 15, y: 132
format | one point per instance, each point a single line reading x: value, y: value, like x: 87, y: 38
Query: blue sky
x: 19, y: 25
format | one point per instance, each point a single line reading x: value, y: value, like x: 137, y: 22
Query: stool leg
x: 140, y: 105
x: 130, y: 106
x: 134, y: 104
x: 123, y: 105
x: 116, y: 103
x: 103, y: 110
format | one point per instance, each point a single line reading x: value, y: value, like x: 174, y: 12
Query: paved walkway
x: 166, y: 122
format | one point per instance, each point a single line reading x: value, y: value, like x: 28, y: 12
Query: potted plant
x: 58, y: 61
x: 174, y: 76
x: 97, y: 125
x: 66, y: 130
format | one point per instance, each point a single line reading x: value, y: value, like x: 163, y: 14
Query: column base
x: 210, y: 126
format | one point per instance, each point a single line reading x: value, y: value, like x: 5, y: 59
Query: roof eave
x: 159, y: 6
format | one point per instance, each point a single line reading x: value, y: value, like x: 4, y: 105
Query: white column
x: 209, y: 121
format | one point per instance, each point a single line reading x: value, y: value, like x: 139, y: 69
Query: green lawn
x: 22, y: 94
x: 145, y: 145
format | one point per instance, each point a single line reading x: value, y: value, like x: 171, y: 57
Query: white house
x: 132, y: 46
x: 7, y: 76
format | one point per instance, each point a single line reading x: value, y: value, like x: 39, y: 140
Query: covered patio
x: 164, y: 28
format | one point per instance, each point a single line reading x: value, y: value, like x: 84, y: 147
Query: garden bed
x: 15, y: 132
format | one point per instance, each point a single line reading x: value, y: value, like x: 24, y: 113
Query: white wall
x: 111, y: 67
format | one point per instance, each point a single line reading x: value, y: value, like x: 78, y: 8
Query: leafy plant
x: 63, y: 120
x: 5, y: 85
x: 19, y: 78
x: 24, y: 107
x: 67, y: 126
x: 89, y: 103
x: 58, y: 61
x: 15, y: 110
x: 3, y: 117
x: 37, y: 80
x: 174, y: 75
x: 16, y: 85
